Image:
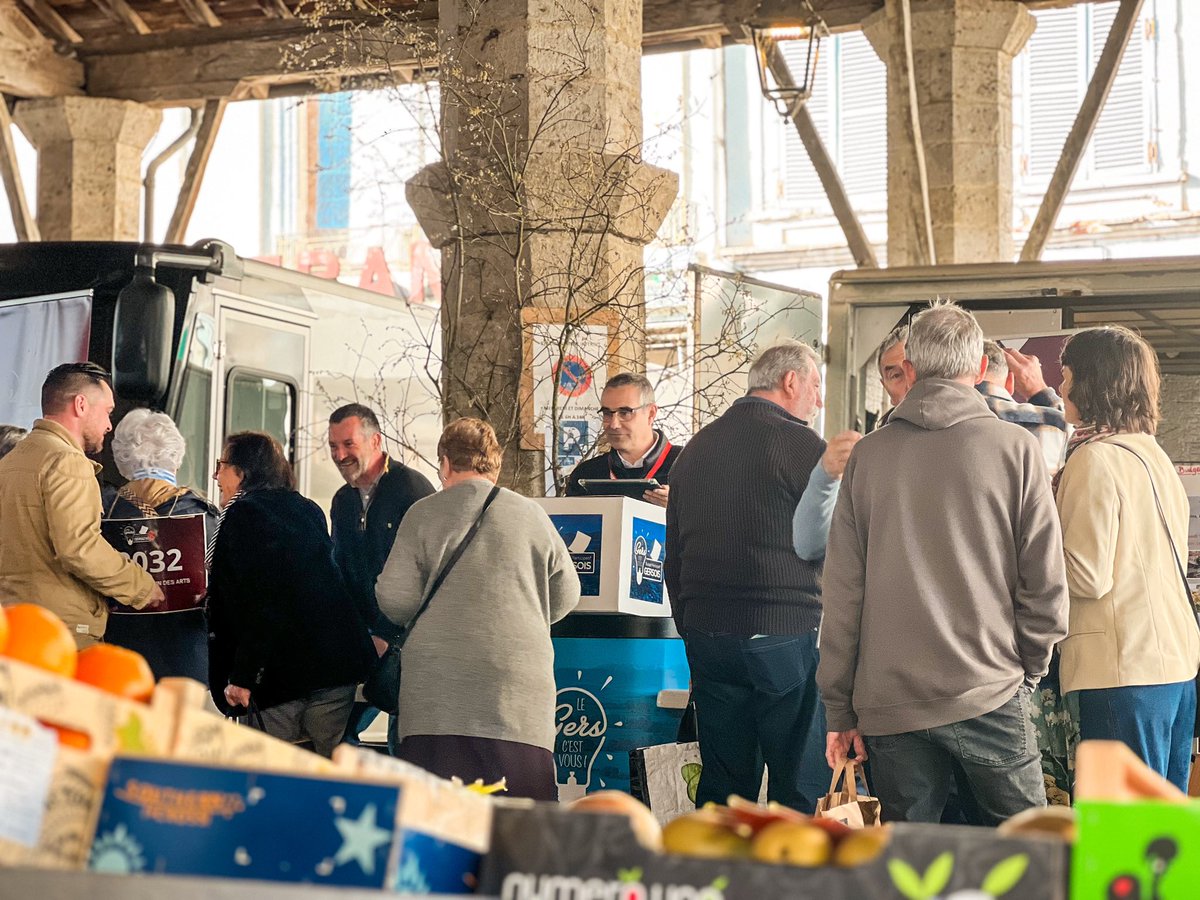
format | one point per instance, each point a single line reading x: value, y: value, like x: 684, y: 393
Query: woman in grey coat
x: 477, y: 695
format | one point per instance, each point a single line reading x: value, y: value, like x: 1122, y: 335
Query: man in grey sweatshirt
x: 944, y: 591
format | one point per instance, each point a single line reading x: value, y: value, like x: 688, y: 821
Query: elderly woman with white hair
x: 148, y: 450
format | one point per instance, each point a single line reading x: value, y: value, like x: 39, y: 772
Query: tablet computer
x: 622, y: 487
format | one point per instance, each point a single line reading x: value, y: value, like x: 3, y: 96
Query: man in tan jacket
x: 51, y: 549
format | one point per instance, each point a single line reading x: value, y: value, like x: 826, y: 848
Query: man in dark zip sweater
x: 365, y: 514
x: 638, y: 449
x: 747, y: 606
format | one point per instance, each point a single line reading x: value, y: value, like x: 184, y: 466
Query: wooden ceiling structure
x: 186, y: 52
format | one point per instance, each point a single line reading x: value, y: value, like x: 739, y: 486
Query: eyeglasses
x: 217, y: 466
x: 621, y: 413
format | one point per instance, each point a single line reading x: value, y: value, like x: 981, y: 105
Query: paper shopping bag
x: 847, y: 805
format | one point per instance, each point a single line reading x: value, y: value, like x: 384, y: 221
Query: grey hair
x: 632, y: 379
x: 9, y: 436
x: 944, y: 341
x: 997, y: 363
x: 145, y: 439
x: 774, y: 363
x: 898, y: 335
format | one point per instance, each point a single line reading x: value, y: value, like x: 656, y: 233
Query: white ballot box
x: 618, y: 546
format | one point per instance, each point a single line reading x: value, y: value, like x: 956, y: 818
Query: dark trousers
x: 528, y: 771
x: 913, y: 772
x: 757, y: 703
x: 1156, y: 721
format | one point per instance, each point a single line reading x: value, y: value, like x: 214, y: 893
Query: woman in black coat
x: 284, y: 633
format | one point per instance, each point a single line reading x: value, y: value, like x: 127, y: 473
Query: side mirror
x: 143, y: 327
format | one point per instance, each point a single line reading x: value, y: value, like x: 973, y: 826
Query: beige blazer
x: 1128, y: 623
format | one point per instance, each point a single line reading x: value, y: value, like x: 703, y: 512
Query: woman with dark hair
x: 477, y: 699
x: 148, y: 450
x: 284, y: 633
x: 1133, y: 647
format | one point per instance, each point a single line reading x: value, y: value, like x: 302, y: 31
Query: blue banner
x: 646, y: 561
x: 608, y: 705
x: 583, y: 535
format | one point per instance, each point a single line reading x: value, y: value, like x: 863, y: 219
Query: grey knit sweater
x: 479, y: 661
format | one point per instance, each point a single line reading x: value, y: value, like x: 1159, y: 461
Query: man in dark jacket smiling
x: 365, y: 515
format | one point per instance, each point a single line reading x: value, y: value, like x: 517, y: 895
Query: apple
x: 759, y: 817
x: 860, y: 847
x: 793, y: 843
x: 707, y: 833
x: 645, y: 827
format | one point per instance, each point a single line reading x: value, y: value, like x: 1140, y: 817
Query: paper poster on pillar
x: 1189, y: 474
x: 567, y: 366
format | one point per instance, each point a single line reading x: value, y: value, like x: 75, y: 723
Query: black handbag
x: 382, y: 687
x: 1187, y: 588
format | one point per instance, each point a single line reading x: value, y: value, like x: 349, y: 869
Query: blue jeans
x: 1155, y: 720
x: 913, y: 772
x: 756, y: 702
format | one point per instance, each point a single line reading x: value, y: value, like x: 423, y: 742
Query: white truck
x: 222, y: 344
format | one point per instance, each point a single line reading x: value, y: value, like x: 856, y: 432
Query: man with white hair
x: 746, y: 605
x: 1041, y: 415
x: 944, y: 590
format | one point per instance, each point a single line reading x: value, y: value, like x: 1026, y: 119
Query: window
x: 195, y: 401
x: 1055, y: 69
x: 257, y: 401
x: 849, y: 108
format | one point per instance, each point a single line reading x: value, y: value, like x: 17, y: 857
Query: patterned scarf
x: 1082, y: 435
x: 212, y: 544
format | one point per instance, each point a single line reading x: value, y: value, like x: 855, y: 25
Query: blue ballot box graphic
x: 618, y: 548
x: 584, y: 537
x: 608, y: 703
x: 646, y: 560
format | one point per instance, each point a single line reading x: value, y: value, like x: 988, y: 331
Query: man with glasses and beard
x: 638, y: 449
x: 365, y: 514
x: 51, y: 549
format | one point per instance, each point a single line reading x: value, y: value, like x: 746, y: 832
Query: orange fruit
x: 69, y: 737
x: 3, y: 629
x: 116, y: 670
x: 39, y: 638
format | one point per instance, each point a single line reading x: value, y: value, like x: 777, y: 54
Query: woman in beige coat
x: 1133, y: 646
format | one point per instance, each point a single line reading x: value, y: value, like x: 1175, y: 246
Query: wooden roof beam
x: 29, y: 64
x: 124, y: 14
x: 52, y: 23
x: 276, y: 9
x: 200, y: 13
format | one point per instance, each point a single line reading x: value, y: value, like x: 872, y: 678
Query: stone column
x: 962, y: 59
x: 541, y: 202
x: 89, y: 172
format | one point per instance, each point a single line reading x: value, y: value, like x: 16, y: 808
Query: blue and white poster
x: 608, y: 705
x: 583, y: 536
x: 646, y: 561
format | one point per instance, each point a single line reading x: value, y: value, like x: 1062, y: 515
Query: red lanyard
x: 662, y: 458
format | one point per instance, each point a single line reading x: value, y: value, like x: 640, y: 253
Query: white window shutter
x: 863, y: 120
x: 802, y: 188
x: 1122, y: 134
x: 1057, y: 81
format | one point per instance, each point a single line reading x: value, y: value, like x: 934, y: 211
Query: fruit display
x: 771, y: 834
x: 645, y: 827
x: 116, y: 670
x: 37, y: 637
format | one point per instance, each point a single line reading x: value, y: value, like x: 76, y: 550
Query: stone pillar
x: 962, y: 59
x: 541, y: 203
x: 1179, y: 428
x: 89, y: 173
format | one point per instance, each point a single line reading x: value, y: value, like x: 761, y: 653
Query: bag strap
x: 454, y: 558
x: 1187, y: 588
x: 846, y: 773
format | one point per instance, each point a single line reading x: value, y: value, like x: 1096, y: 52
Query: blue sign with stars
x: 177, y: 819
